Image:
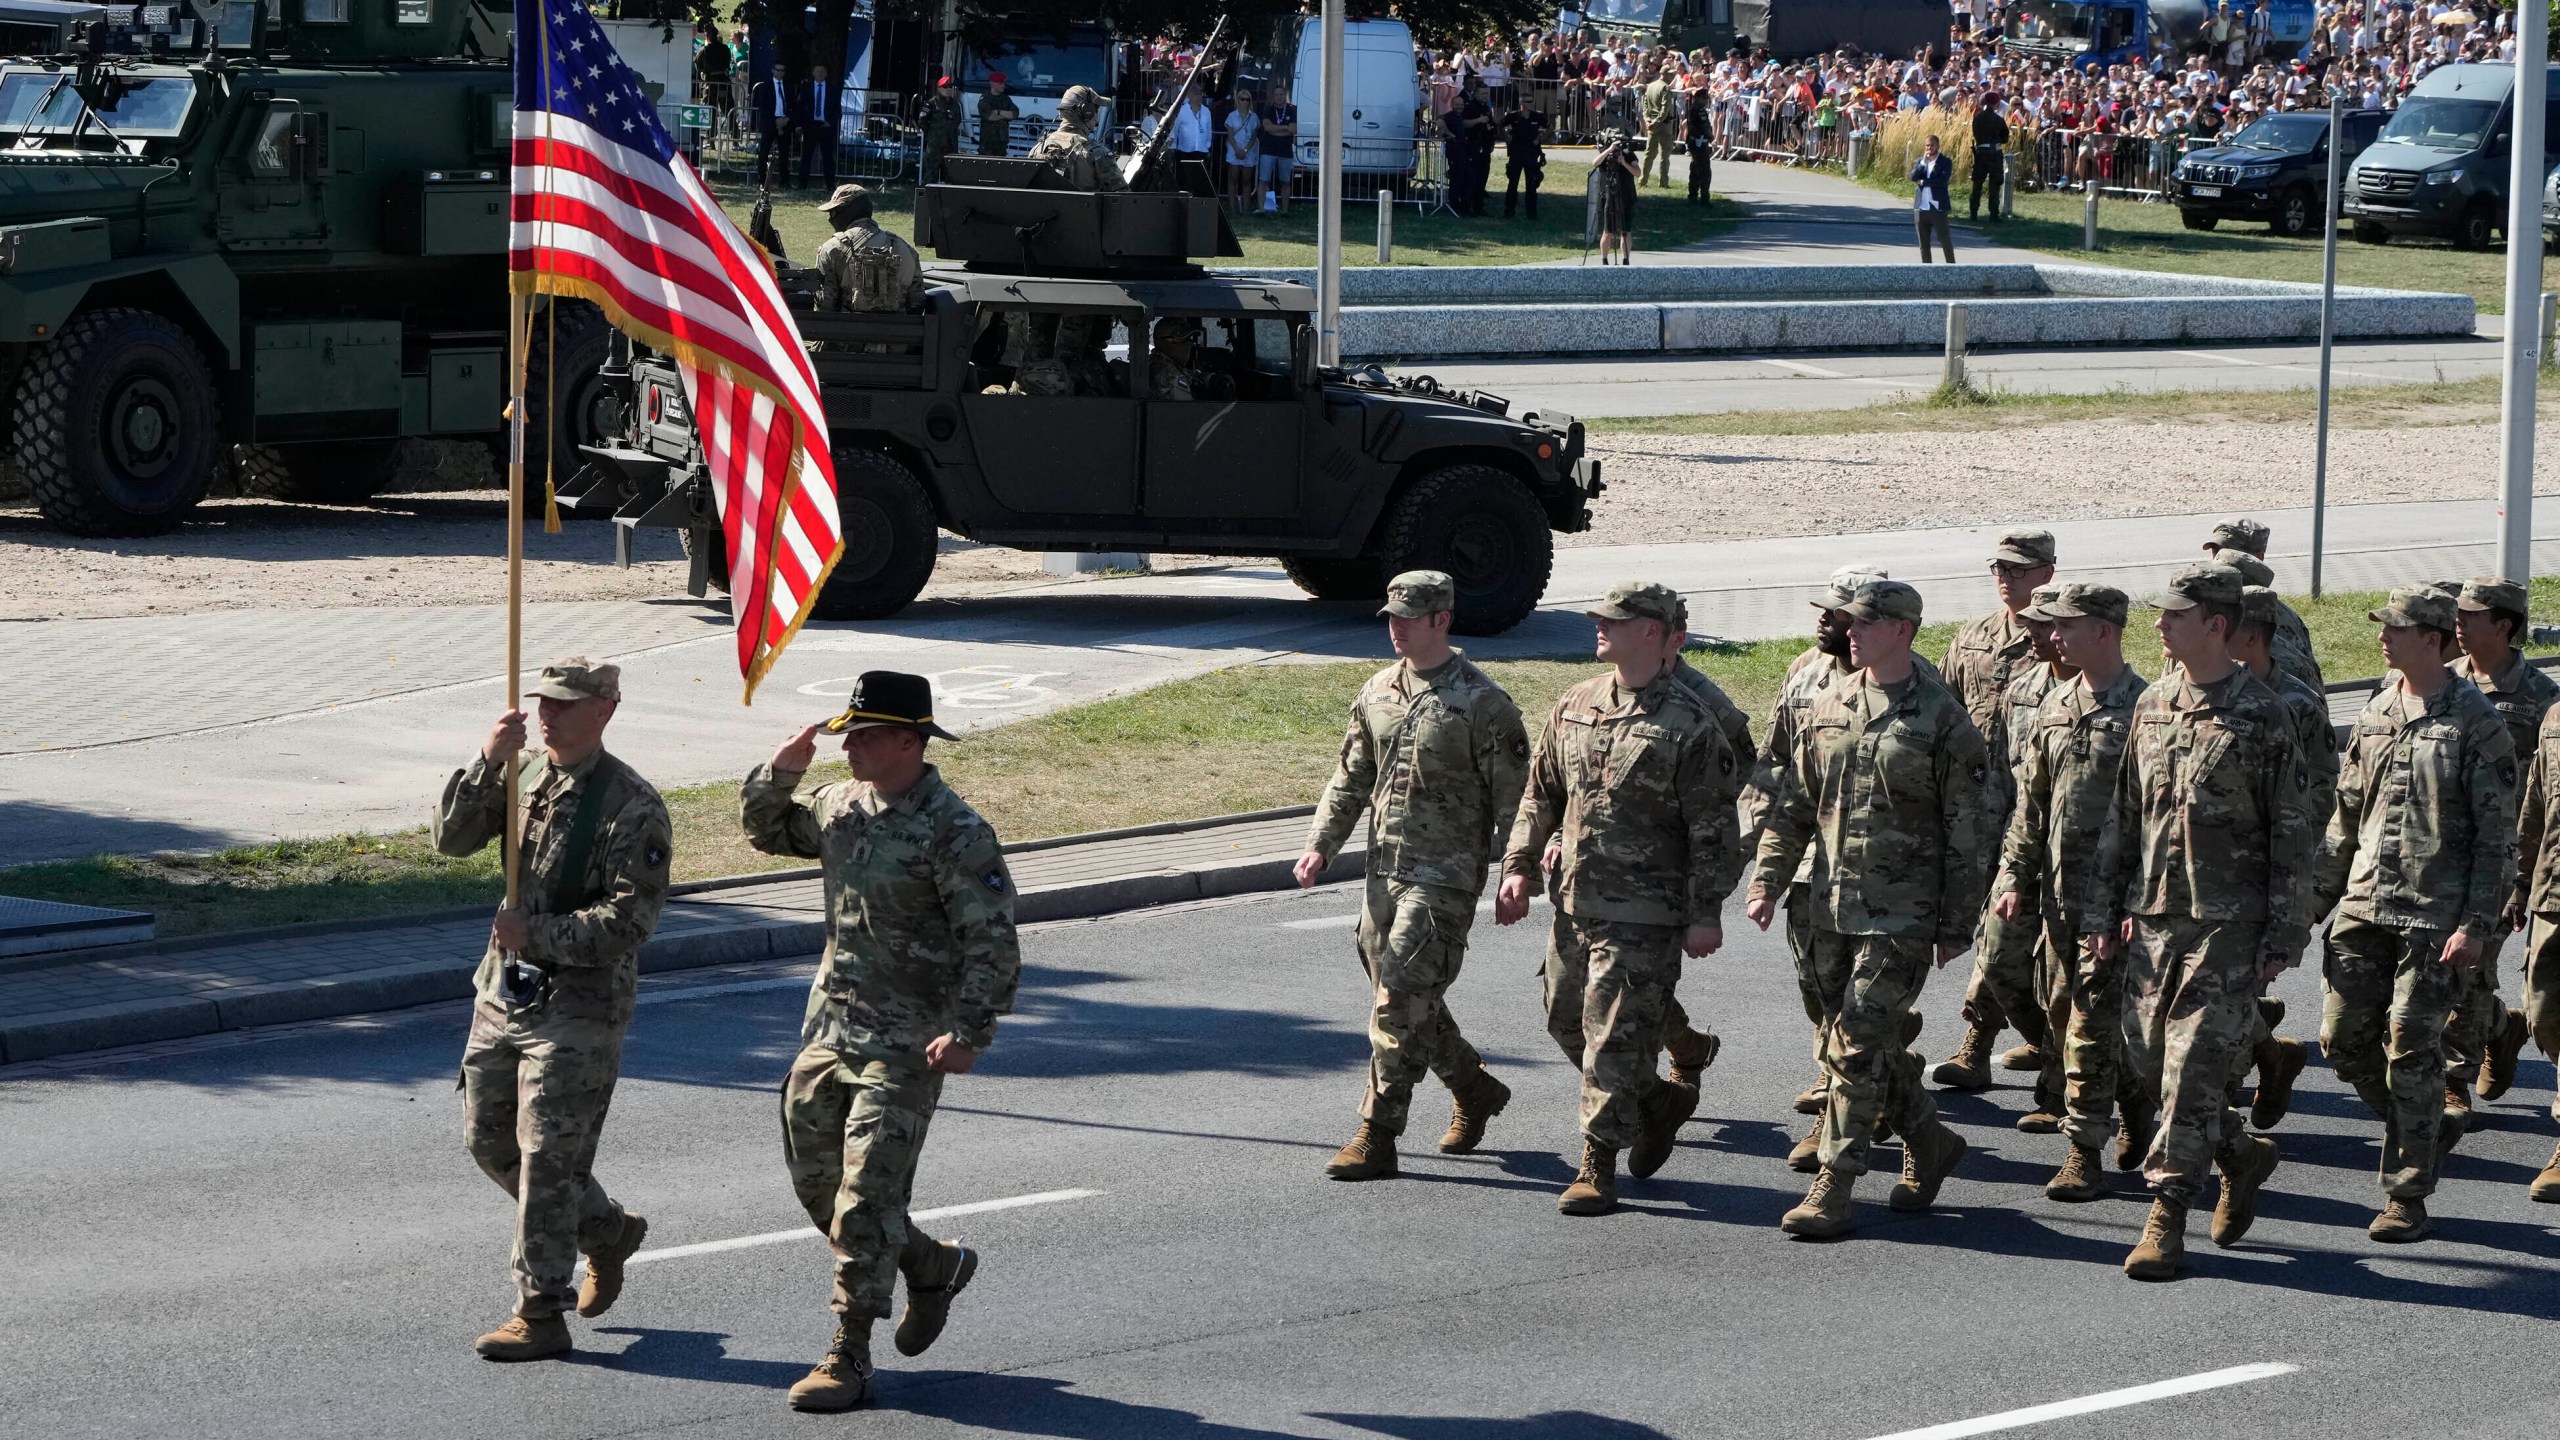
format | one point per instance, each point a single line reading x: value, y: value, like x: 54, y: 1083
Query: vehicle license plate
x: 2205, y: 192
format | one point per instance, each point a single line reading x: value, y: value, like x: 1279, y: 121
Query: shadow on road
x: 1039, y: 1405
x: 688, y: 1355
x: 1579, y: 1424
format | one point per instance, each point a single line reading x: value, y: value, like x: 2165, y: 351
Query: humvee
x: 1348, y: 476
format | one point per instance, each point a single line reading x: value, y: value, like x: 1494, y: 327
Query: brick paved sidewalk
x: 58, y: 1005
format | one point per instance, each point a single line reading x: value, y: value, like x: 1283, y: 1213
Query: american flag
x: 605, y: 209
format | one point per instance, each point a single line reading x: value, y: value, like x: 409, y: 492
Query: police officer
x: 2202, y: 886
x: 554, y: 992
x: 1436, y: 753
x: 2069, y: 755
x: 1524, y: 134
x: 941, y: 130
x: 2484, y: 1037
x: 1634, y: 777
x: 862, y: 267
x: 1885, y: 789
x: 1071, y: 152
x: 920, y: 959
x: 997, y: 110
x: 2417, y: 860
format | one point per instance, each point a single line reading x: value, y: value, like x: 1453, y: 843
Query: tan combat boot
x: 2039, y: 1121
x: 1371, y: 1155
x: 841, y: 1380
x: 2243, y: 1171
x: 1827, y: 1212
x: 2498, y: 1064
x: 1806, y: 1156
x: 929, y: 1305
x: 2022, y: 1057
x: 1595, y: 1190
x: 1664, y: 1112
x: 1927, y: 1160
x: 2457, y: 1118
x: 2545, y: 1189
x: 523, y: 1339
x: 1703, y: 1049
x: 2080, y: 1179
x: 1815, y: 1100
x: 1970, y: 1067
x: 2276, y: 1075
x: 1471, y: 1105
x: 2162, y: 1253
x: 603, y: 1284
x: 2401, y: 1222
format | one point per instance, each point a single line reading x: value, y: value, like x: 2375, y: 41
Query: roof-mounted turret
x: 994, y: 213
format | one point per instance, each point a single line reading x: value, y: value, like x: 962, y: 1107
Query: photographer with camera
x: 1614, y: 171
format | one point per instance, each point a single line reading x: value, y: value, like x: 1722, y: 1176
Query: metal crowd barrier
x: 2132, y: 167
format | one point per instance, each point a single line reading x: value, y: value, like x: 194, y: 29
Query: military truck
x: 270, y: 236
x: 1348, y: 476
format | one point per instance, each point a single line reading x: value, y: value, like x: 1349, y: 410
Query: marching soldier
x: 920, y: 960
x: 2534, y: 907
x: 1885, y: 787
x: 554, y: 992
x: 2069, y: 757
x: 1436, y: 753
x: 2044, y: 674
x: 2484, y: 1037
x: 2241, y: 537
x: 1631, y: 773
x: 2202, y: 888
x: 2417, y: 860
x: 1690, y: 1049
x: 1071, y: 152
x: 1985, y: 656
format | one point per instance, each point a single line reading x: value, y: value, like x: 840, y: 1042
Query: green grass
x: 2352, y: 407
x: 1245, y: 739
x: 1664, y: 220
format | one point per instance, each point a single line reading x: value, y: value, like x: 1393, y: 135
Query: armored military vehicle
x: 1348, y: 475
x: 271, y: 235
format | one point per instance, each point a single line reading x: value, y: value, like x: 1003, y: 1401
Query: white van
x: 1380, y: 96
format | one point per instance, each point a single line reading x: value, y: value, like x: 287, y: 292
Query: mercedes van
x: 1381, y: 96
x: 2440, y: 165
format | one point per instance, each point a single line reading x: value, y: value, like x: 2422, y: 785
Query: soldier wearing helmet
x: 1172, y: 373
x: 863, y: 267
x: 1071, y: 152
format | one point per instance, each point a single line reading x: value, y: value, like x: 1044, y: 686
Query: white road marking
x: 805, y: 1232
x: 2089, y: 1404
x: 1798, y: 367
x: 1324, y: 922
x: 735, y: 987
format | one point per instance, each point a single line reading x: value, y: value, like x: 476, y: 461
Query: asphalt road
x: 279, y: 1235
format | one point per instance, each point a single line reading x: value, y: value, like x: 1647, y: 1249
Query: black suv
x: 2271, y: 171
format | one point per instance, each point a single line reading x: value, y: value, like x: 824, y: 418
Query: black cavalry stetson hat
x: 889, y: 697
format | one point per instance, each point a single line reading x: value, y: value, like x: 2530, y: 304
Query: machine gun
x: 1141, y: 167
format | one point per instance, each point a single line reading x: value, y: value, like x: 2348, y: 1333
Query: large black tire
x: 1481, y: 526
x: 328, y: 472
x: 577, y: 334
x: 2297, y: 213
x: 889, y: 539
x: 1359, y: 578
x: 2477, y: 229
x: 114, y: 424
x: 687, y: 537
x: 2194, y: 221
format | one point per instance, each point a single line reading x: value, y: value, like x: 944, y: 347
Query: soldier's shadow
x: 1041, y: 1405
x: 688, y: 1355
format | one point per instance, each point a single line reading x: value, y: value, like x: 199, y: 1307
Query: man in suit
x: 771, y: 102
x: 819, y: 103
x: 1932, y: 181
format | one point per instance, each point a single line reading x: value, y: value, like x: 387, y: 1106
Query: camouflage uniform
x: 2537, y: 885
x: 2209, y: 859
x: 2315, y: 740
x: 2068, y: 759
x: 2422, y: 844
x: 2522, y: 693
x: 867, y: 269
x: 1884, y: 789
x: 920, y: 943
x: 1080, y: 161
x: 1437, y: 759
x: 1638, y: 788
x: 1689, y: 1047
x: 538, y: 1077
x: 2242, y: 545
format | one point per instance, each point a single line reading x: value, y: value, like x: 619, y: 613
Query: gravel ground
x: 442, y: 547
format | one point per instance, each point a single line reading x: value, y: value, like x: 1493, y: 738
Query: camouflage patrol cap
x: 2079, y: 600
x: 578, y: 678
x: 2201, y: 585
x: 2258, y: 606
x: 2030, y: 548
x: 1884, y: 600
x: 2253, y: 571
x: 2415, y: 605
x: 1640, y: 600
x: 846, y: 194
x: 1417, y: 593
x: 2239, y: 533
x: 2041, y: 595
x: 1844, y: 585
x: 2449, y: 589
x: 2488, y: 592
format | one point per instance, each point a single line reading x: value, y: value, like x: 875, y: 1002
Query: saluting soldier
x: 554, y: 991
x: 1435, y: 754
x: 1989, y: 652
x: 2069, y: 757
x: 2204, y: 879
x: 2417, y: 860
x: 2483, y: 1038
x: 1080, y: 161
x: 1886, y: 789
x: 920, y: 959
x: 1631, y: 773
x: 2240, y: 537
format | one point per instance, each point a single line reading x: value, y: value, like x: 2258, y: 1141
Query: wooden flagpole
x: 518, y: 328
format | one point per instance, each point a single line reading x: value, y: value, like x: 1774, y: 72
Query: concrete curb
x: 108, y: 1027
